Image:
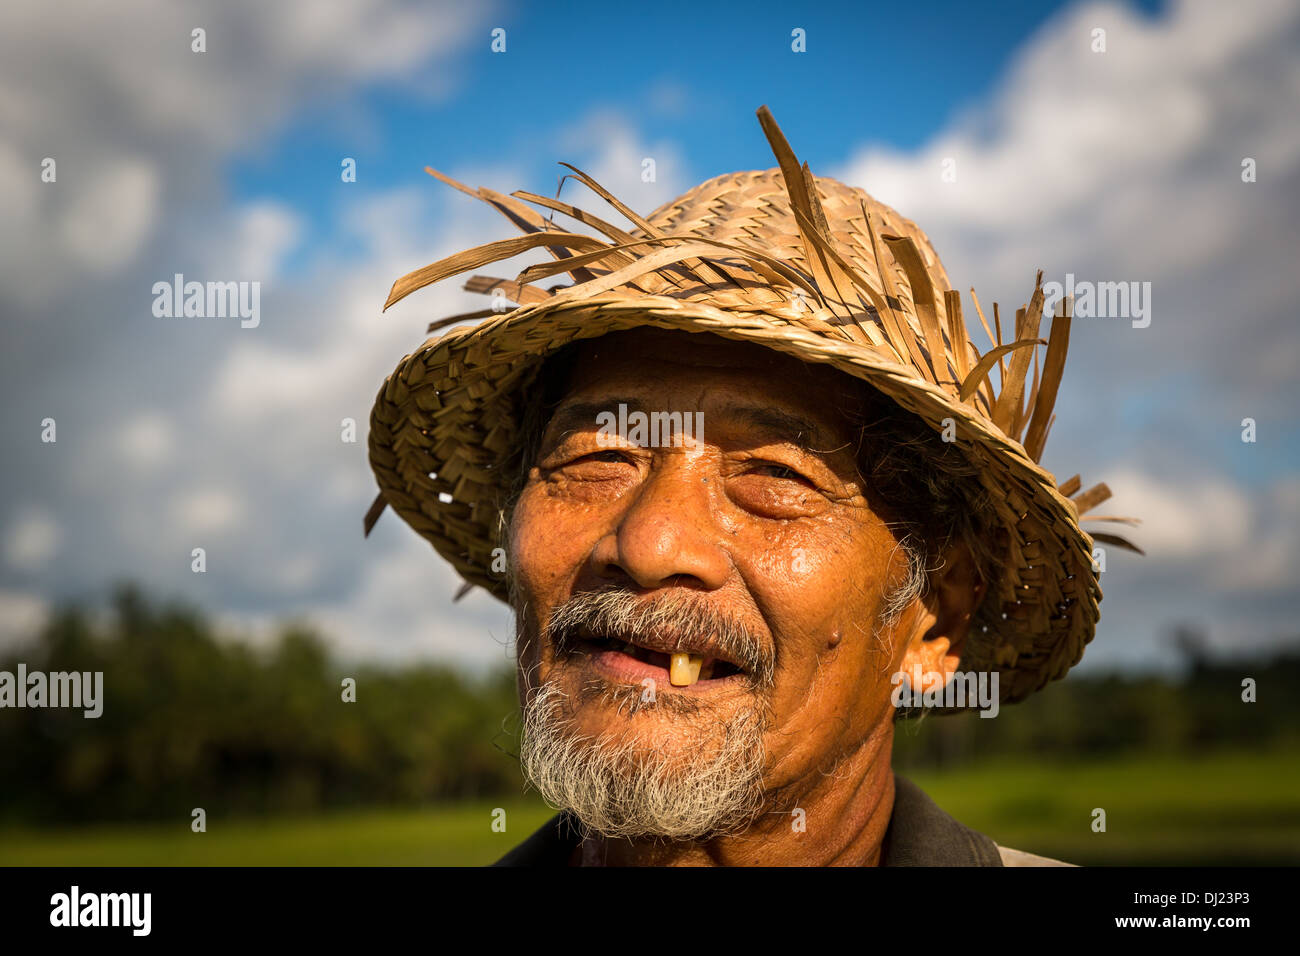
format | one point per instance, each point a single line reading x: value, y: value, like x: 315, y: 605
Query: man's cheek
x: 545, y: 552
x: 804, y: 568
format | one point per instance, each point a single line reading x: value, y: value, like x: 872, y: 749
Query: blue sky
x: 895, y: 73
x: 1114, y: 165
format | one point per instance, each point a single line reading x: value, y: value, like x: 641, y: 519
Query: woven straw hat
x: 804, y: 265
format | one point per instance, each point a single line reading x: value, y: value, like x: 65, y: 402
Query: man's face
x: 754, y: 546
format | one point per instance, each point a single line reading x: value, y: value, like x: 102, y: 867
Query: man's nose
x: 668, y: 533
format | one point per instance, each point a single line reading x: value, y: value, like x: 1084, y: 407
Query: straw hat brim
x: 443, y: 427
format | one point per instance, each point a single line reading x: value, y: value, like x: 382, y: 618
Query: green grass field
x: 1219, y: 809
x: 1225, y: 809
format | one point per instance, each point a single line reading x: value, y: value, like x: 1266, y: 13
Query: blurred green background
x: 412, y: 772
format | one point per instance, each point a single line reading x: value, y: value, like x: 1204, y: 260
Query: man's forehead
x: 740, y: 382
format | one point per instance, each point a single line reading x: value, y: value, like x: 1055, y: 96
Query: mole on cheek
x: 835, y: 638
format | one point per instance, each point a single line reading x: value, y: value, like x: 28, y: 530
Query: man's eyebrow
x: 574, y: 415
x: 780, y: 425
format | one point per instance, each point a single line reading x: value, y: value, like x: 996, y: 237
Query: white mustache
x: 618, y: 610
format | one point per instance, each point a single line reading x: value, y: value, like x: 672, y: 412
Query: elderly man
x: 752, y: 496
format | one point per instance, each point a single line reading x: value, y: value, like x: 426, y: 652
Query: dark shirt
x: 919, y: 834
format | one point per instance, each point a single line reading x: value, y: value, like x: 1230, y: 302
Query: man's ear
x: 943, y: 618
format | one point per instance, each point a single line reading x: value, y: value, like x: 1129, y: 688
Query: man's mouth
x: 635, y: 662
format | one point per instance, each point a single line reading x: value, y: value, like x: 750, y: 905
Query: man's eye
x: 784, y: 472
x: 609, y: 454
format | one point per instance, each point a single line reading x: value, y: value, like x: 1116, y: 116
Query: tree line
x: 191, y: 719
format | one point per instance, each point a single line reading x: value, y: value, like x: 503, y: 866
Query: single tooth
x: 685, y: 669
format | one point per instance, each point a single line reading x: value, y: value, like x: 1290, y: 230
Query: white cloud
x: 619, y: 162
x: 33, y: 540
x: 146, y: 441
x: 259, y: 237
x: 402, y: 609
x: 207, y: 511
x: 668, y: 96
x: 112, y: 216
x: 262, y: 59
x: 1267, y: 562
x: 1207, y: 535
x: 296, y: 573
x: 1197, y: 520
x: 136, y: 120
x: 22, y: 615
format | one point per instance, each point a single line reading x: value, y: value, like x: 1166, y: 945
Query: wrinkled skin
x: 770, y: 522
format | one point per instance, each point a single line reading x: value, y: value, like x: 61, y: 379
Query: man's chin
x: 631, y: 767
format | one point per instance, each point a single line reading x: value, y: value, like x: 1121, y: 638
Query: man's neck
x: 845, y: 814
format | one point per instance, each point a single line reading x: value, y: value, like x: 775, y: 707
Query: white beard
x: 620, y: 789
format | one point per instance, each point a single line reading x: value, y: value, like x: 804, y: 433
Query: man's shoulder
x: 922, y: 834
x: 1012, y: 857
x: 552, y: 844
